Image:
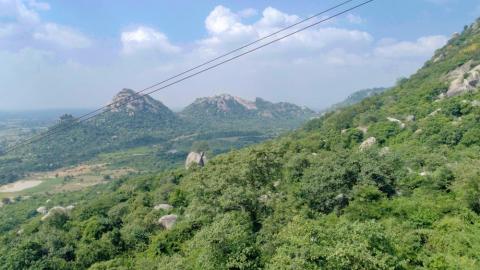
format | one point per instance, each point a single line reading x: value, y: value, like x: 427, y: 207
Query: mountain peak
x: 127, y: 100
x: 226, y: 102
x: 226, y: 106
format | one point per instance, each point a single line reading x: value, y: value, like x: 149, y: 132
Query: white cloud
x: 316, y: 67
x: 273, y: 18
x: 422, y: 47
x: 146, y: 38
x: 26, y: 29
x: 227, y: 31
x: 62, y: 36
x: 221, y: 19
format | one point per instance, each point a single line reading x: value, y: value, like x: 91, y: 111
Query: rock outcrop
x: 167, y: 221
x: 129, y: 101
x: 400, y: 123
x: 410, y: 118
x: 42, y: 210
x: 195, y: 158
x: 367, y: 143
x: 57, y: 210
x: 464, y: 78
x: 233, y: 107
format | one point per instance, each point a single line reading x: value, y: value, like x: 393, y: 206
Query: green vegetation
x: 357, y: 97
x: 146, y: 135
x: 307, y: 200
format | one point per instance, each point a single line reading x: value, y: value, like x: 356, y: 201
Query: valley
x: 62, y: 180
x: 145, y: 136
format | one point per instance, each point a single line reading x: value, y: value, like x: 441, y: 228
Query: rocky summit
x: 226, y: 105
x: 129, y: 101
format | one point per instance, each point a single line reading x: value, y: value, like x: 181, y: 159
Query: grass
x: 92, y: 176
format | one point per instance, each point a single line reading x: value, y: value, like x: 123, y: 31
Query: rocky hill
x: 132, y: 120
x: 229, y: 106
x: 229, y: 110
x: 130, y: 102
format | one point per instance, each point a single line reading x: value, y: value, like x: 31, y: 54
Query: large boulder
x: 167, y: 221
x: 195, y: 158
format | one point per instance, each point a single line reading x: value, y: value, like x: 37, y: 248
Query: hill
x: 144, y: 122
x: 230, y: 111
x: 389, y: 183
x: 357, y: 97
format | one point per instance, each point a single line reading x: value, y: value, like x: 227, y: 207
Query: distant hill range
x: 133, y: 120
x: 228, y: 111
x: 356, y: 97
x: 208, y: 110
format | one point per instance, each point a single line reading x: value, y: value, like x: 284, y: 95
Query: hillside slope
x: 390, y: 183
x: 357, y: 97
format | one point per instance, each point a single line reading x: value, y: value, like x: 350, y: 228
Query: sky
x: 78, y: 54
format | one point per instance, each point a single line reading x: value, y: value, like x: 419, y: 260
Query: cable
x: 199, y: 72
x: 201, y: 65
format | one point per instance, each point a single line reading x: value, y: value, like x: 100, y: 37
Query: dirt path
x: 19, y: 186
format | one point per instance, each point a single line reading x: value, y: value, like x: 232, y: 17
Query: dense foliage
x: 308, y: 200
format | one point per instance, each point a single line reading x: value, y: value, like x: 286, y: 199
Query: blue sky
x: 79, y: 53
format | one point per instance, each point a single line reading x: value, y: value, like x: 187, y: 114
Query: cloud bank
x: 315, y: 68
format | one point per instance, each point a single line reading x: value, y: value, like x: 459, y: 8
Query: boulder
x: 57, y: 210
x: 263, y: 198
x: 391, y: 119
x: 167, y: 221
x: 163, y: 206
x: 424, y: 173
x: 410, y: 118
x: 195, y: 158
x: 367, y: 143
x: 42, y: 210
x: 418, y: 131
